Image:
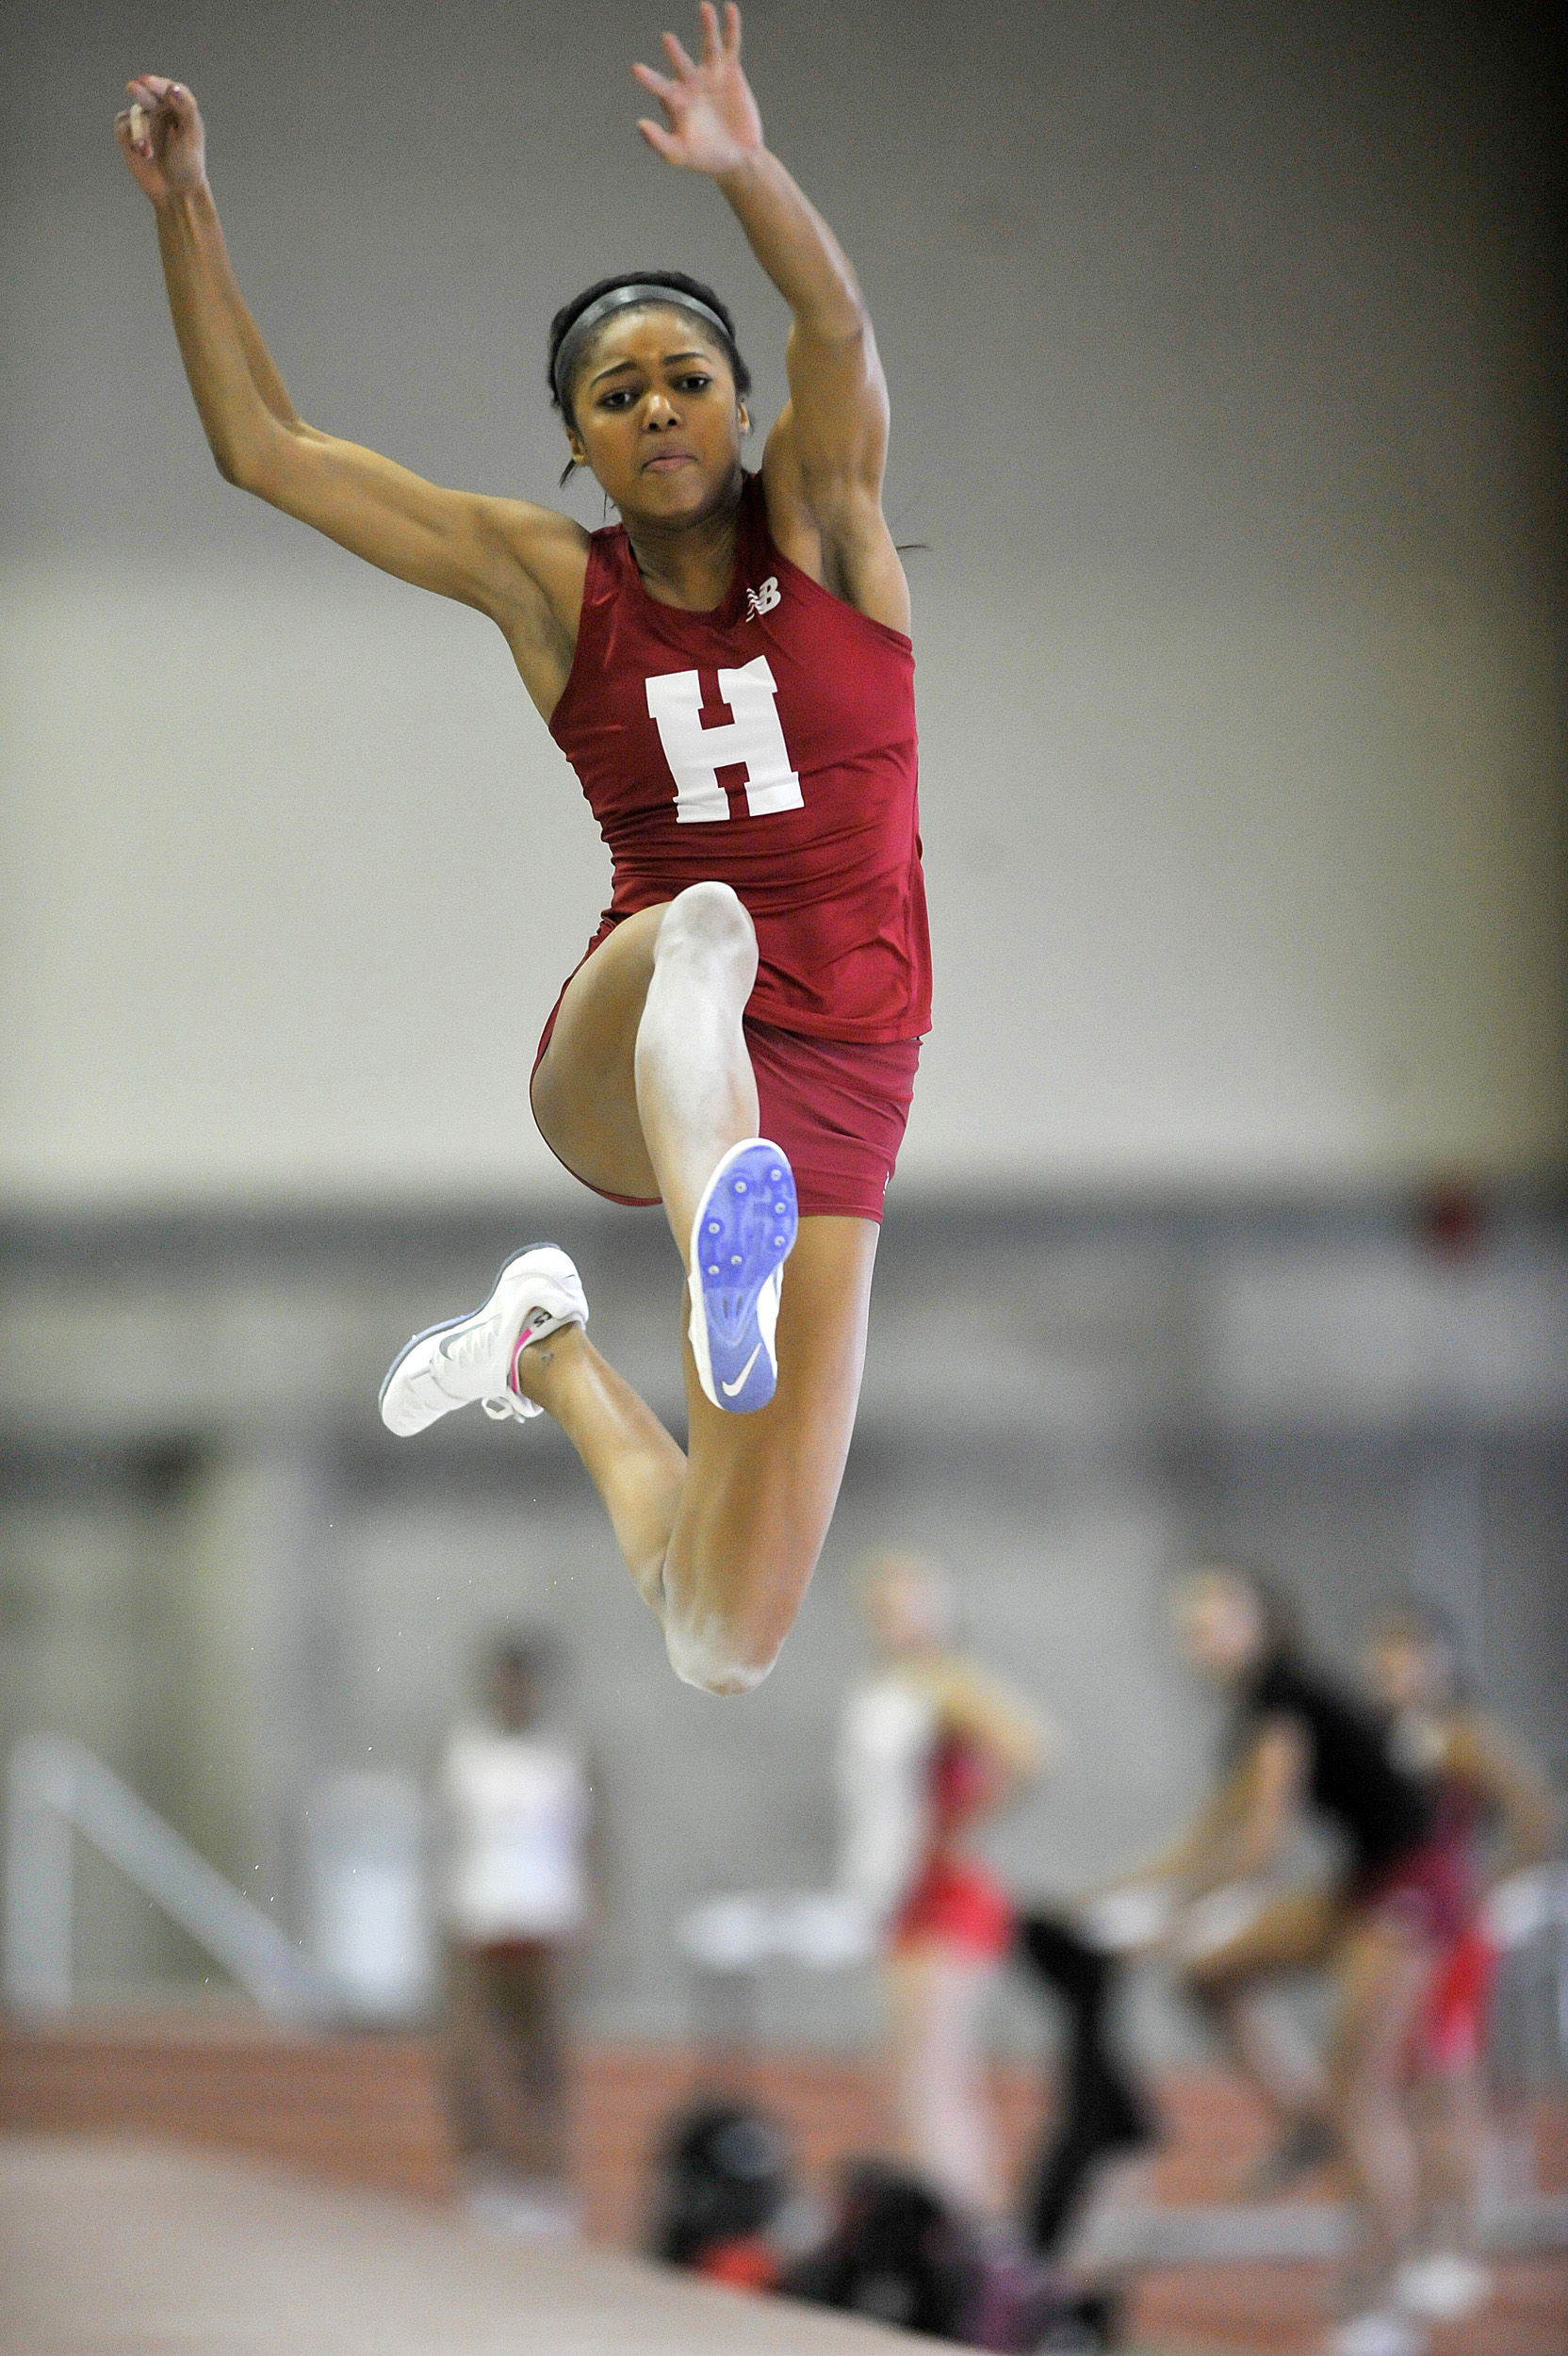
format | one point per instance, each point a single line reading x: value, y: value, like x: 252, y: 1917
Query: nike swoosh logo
x: 729, y: 1389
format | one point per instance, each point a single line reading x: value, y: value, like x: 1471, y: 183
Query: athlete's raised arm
x: 823, y: 468
x: 521, y: 565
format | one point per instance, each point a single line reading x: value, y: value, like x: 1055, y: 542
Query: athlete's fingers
x: 669, y: 97
x: 158, y: 109
x: 659, y: 140
x: 150, y: 122
x: 171, y: 100
x: 733, y: 29
x: 709, y: 16
x: 167, y: 101
x: 683, y: 65
x: 152, y: 106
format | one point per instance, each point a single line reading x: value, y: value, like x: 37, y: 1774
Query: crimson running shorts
x: 1425, y: 1892
x: 956, y: 1903
x: 836, y: 1107
x: 1455, y: 2017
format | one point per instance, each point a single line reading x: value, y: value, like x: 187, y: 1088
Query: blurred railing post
x: 38, y: 1878
x: 1526, y: 2057
x: 57, y: 1788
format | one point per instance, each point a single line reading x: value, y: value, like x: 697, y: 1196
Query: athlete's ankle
x: 536, y: 1366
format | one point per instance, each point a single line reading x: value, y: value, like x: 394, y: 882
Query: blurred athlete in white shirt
x: 516, y: 1807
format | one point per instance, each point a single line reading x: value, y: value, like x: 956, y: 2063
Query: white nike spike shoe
x: 472, y: 1357
x: 744, y: 1232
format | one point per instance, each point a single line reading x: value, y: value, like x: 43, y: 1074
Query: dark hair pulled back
x: 678, y: 283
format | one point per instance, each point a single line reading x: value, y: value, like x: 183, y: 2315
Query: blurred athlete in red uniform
x: 930, y: 1747
x: 1481, y: 1786
x: 729, y: 671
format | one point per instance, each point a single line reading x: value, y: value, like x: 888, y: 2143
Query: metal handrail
x: 57, y: 1788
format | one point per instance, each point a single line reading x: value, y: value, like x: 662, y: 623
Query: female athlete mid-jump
x: 730, y: 673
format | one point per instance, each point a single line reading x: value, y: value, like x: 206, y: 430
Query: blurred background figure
x: 516, y: 1807
x: 1101, y: 2110
x: 1300, y: 1743
x: 1495, y: 1817
x: 932, y: 1746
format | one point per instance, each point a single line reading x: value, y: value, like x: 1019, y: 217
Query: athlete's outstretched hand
x: 161, y: 136
x: 714, y: 125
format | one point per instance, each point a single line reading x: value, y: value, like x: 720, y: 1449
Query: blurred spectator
x: 517, y: 1809
x: 1480, y: 1786
x: 931, y: 1747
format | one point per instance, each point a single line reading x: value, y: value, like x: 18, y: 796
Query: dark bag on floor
x: 898, y: 2254
x: 723, y: 2175
x: 894, y: 2254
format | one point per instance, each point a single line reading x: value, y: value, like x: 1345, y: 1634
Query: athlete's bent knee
x: 707, y: 919
x: 715, y: 1661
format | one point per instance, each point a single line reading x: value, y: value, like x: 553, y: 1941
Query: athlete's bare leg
x: 1383, y: 1974
x: 1449, y: 2115
x: 1295, y: 1933
x: 646, y: 1084
x: 606, y: 1103
x: 940, y: 2100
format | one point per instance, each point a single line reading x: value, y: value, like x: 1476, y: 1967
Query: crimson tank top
x: 769, y: 744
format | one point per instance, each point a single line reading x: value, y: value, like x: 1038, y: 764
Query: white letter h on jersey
x: 696, y: 754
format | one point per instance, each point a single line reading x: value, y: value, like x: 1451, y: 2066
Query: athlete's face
x: 907, y: 1606
x: 656, y: 417
x: 1219, y: 1623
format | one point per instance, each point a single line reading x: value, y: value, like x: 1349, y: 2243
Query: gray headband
x: 625, y: 298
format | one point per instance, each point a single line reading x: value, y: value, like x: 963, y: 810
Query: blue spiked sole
x: 742, y: 1236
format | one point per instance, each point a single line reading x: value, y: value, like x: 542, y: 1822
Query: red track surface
x: 368, y: 2109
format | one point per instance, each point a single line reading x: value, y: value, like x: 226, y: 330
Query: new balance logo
x: 760, y: 601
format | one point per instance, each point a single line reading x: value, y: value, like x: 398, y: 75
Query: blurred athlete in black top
x: 1300, y: 1743
x: 1349, y: 1772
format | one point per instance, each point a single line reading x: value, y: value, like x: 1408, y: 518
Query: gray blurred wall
x: 1223, y: 344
